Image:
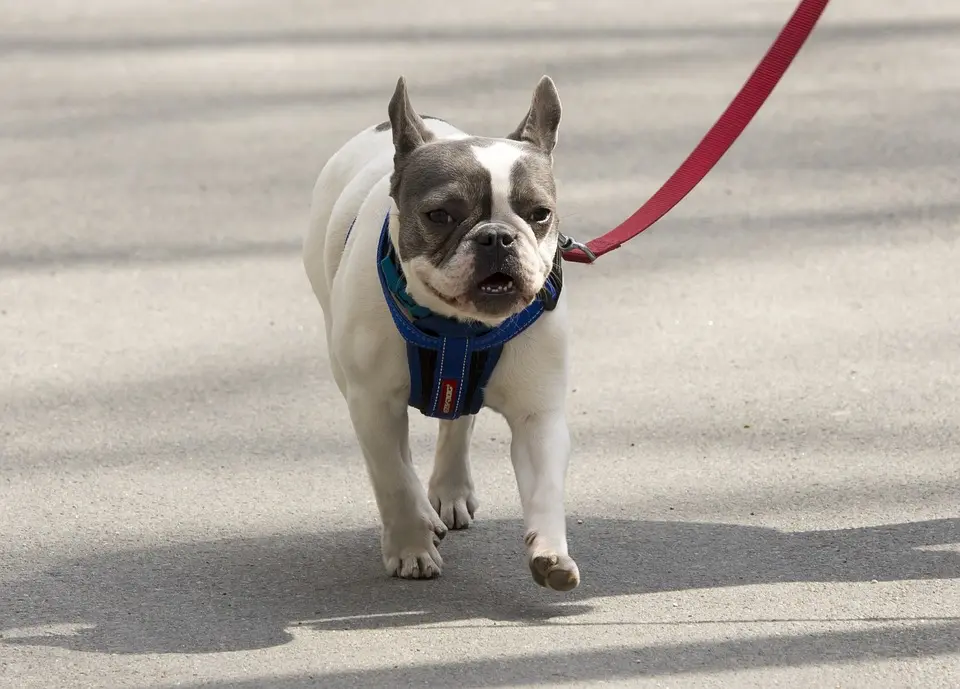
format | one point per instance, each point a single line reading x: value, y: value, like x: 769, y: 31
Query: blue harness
x: 451, y: 361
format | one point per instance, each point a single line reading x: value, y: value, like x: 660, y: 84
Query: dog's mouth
x: 498, y: 294
x: 498, y: 284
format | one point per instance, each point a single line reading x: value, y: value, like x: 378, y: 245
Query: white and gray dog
x: 434, y: 255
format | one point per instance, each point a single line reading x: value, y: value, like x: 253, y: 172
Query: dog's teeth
x: 498, y: 289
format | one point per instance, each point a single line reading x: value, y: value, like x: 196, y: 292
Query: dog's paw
x: 411, y: 552
x: 549, y: 568
x: 553, y: 571
x: 455, y: 505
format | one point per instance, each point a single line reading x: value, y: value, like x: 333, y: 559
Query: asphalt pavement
x: 765, y: 405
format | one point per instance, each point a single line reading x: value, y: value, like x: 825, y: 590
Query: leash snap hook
x: 567, y: 244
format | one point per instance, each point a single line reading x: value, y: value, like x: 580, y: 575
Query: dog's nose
x: 494, y: 237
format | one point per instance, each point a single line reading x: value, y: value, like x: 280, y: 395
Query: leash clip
x: 570, y: 244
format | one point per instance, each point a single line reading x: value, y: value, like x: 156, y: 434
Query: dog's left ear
x: 409, y: 131
x: 539, y: 126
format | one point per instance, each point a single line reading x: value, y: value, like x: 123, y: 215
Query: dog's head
x: 478, y: 223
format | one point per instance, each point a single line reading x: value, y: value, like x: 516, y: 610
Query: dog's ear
x: 409, y: 131
x: 539, y: 126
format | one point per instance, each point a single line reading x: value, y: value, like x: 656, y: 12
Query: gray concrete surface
x: 765, y: 489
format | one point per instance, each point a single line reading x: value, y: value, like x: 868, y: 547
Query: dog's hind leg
x: 451, y: 485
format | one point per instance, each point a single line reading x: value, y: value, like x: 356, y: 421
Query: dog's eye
x: 539, y: 215
x: 440, y: 217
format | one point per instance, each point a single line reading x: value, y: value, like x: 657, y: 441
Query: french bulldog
x: 472, y: 224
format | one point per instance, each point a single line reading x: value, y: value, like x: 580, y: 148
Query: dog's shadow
x: 238, y: 594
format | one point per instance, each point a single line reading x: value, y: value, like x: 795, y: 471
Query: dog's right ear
x: 409, y: 131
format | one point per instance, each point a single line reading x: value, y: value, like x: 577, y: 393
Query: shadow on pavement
x: 241, y: 594
x: 886, y: 642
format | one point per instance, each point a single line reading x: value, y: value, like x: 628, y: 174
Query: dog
x: 435, y: 257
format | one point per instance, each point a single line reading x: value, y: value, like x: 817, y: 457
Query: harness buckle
x: 570, y: 244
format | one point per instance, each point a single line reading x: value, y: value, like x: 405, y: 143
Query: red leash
x: 717, y: 141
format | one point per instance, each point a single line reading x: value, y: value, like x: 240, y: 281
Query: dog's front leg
x: 411, y: 528
x: 540, y: 450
